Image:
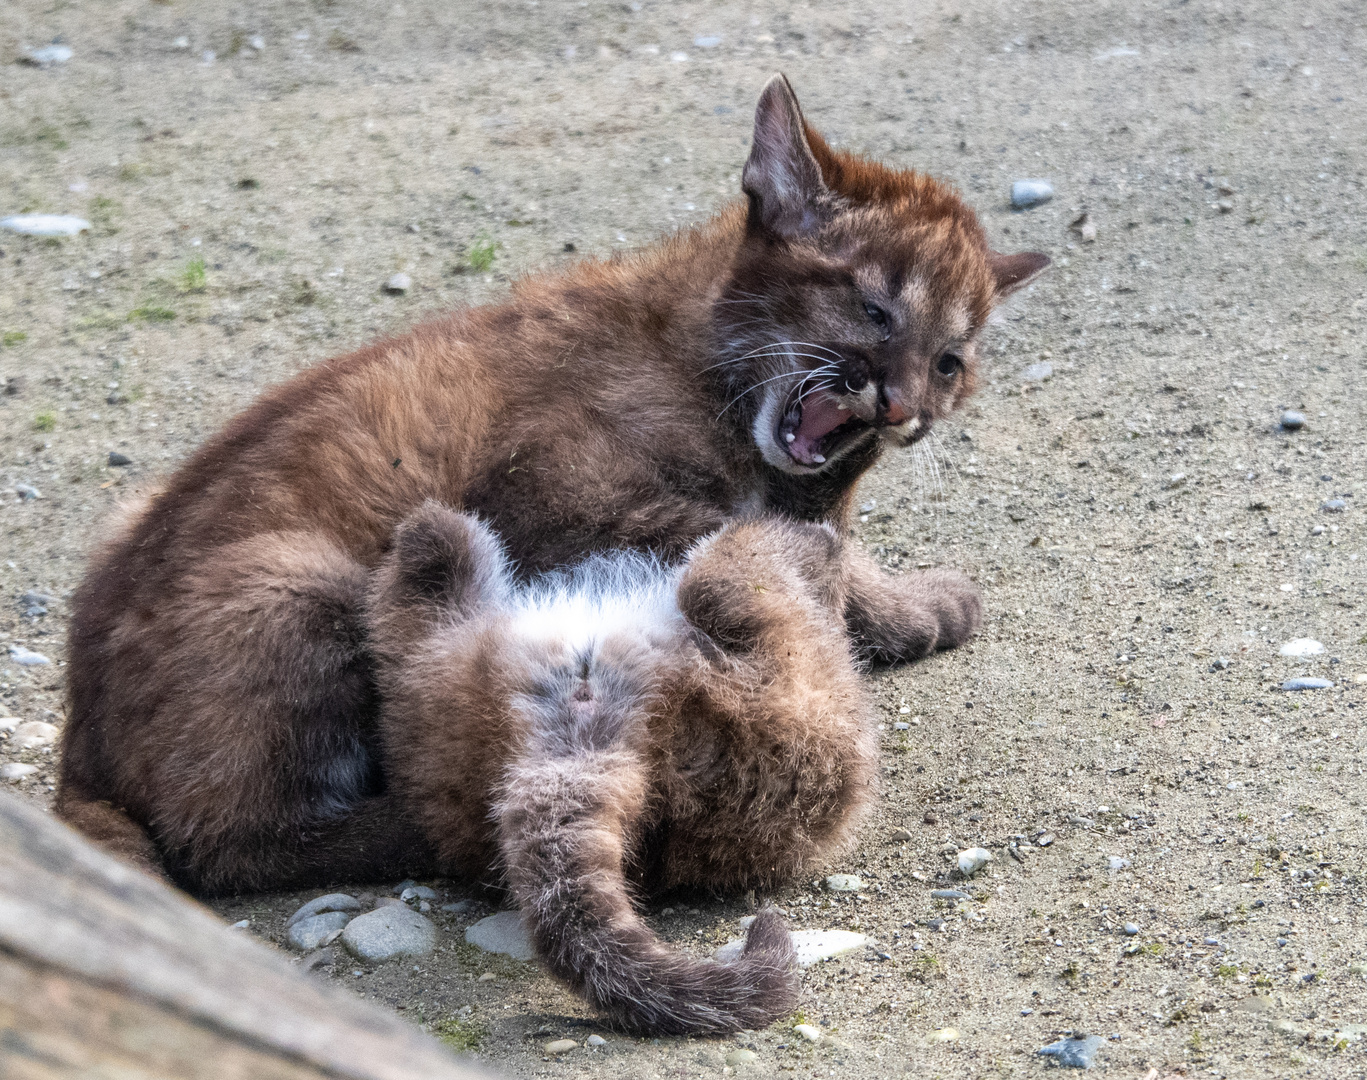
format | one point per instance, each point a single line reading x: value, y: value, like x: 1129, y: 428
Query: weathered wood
x: 107, y: 972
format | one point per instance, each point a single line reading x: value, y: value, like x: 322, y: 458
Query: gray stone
x: 1131, y: 929
x: 47, y: 55
x: 1045, y: 839
x: 331, y: 902
x: 14, y: 771
x: 117, y: 460
x: 741, y: 1057
x: 399, y: 283
x: 707, y: 41
x: 1220, y: 663
x: 313, y: 930
x: 1293, y: 420
x: 1038, y: 372
x: 45, y: 224
x: 388, y: 932
x: 27, y: 492
x: 950, y: 894
x: 1073, y: 1053
x: 972, y: 860
x: 418, y: 892
x: 1334, y: 506
x: 460, y: 907
x: 1303, y: 682
x: 843, y: 883
x: 502, y: 932
x: 596, y: 1041
x: 1115, y: 862
x: 32, y: 735
x: 1028, y: 193
x: 27, y: 657
x: 560, y: 1046
x: 900, y: 835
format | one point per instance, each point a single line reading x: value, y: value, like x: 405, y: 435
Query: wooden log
x: 106, y: 972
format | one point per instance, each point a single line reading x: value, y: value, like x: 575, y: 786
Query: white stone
x: 596, y: 1040
x: 1301, y: 646
x: 14, y: 771
x: 843, y: 883
x: 808, y: 1032
x: 973, y: 860
x: 47, y: 55
x: 502, y: 932
x: 32, y: 735
x: 812, y: 946
x: 399, y: 283
x: 560, y: 1046
x: 27, y: 657
x: 45, y: 224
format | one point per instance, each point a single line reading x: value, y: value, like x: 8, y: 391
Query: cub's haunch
x: 702, y: 726
x: 222, y: 706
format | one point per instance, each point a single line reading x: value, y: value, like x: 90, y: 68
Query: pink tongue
x: 820, y: 416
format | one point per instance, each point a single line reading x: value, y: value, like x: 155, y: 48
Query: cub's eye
x: 877, y: 315
x: 949, y: 365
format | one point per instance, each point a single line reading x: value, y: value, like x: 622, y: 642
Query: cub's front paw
x: 905, y: 618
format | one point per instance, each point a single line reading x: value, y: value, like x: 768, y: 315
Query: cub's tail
x: 566, y: 822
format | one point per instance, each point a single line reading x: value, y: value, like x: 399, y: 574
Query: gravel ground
x: 1146, y: 534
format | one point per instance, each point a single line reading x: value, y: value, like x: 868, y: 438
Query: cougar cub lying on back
x: 702, y: 726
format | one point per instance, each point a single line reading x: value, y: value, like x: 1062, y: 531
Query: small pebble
x: 560, y: 1046
x: 1224, y: 205
x: 1073, y: 1053
x: 321, y: 904
x: 1301, y: 646
x: 32, y: 735
x: 1334, y: 506
x: 389, y: 932
x: 488, y: 976
x: 931, y: 817
x: 14, y: 771
x: 460, y: 907
x: 900, y: 835
x: 1027, y: 1012
x: 1038, y: 372
x: 1281, y: 942
x: 1133, y: 948
x: 1211, y: 941
x: 808, y: 1032
x: 27, y: 657
x: 1176, y: 480
x: 241, y: 924
x: 707, y: 41
x: 944, y: 1035
x: 972, y: 860
x: 45, y: 224
x: 1115, y: 862
x: 1045, y: 839
x: 900, y: 725
x: 117, y: 460
x: 1317, y: 530
x: 741, y: 1057
x: 47, y: 55
x: 1293, y: 420
x: 1085, y: 228
x: 1028, y: 193
x: 1305, y: 683
x: 27, y: 492
x: 950, y: 894
x: 843, y: 883
x: 812, y: 946
x: 1131, y: 929
x: 504, y: 933
x: 399, y: 283
x: 1220, y: 663
x: 596, y: 1041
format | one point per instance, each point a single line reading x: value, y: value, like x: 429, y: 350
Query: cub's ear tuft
x: 787, y: 194
x: 1014, y: 272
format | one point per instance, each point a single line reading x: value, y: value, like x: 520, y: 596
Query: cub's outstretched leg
x: 277, y: 783
x: 910, y: 616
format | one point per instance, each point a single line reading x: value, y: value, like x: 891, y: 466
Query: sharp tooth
x: 819, y: 459
x: 788, y: 436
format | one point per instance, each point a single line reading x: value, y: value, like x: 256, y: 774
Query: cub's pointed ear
x: 1016, y: 271
x: 787, y: 195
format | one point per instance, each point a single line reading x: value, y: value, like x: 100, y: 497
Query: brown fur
x: 221, y: 688
x: 719, y: 739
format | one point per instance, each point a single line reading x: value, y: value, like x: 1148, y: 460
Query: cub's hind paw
x: 906, y: 618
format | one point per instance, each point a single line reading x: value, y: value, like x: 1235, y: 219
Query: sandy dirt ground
x: 1146, y: 534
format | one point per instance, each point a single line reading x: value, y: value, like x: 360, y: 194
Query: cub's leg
x: 911, y: 616
x: 247, y: 746
x: 572, y: 808
x: 443, y: 565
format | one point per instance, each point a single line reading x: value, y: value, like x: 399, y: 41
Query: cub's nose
x: 892, y: 409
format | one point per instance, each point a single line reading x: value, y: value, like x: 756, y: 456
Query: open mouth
x: 815, y: 427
